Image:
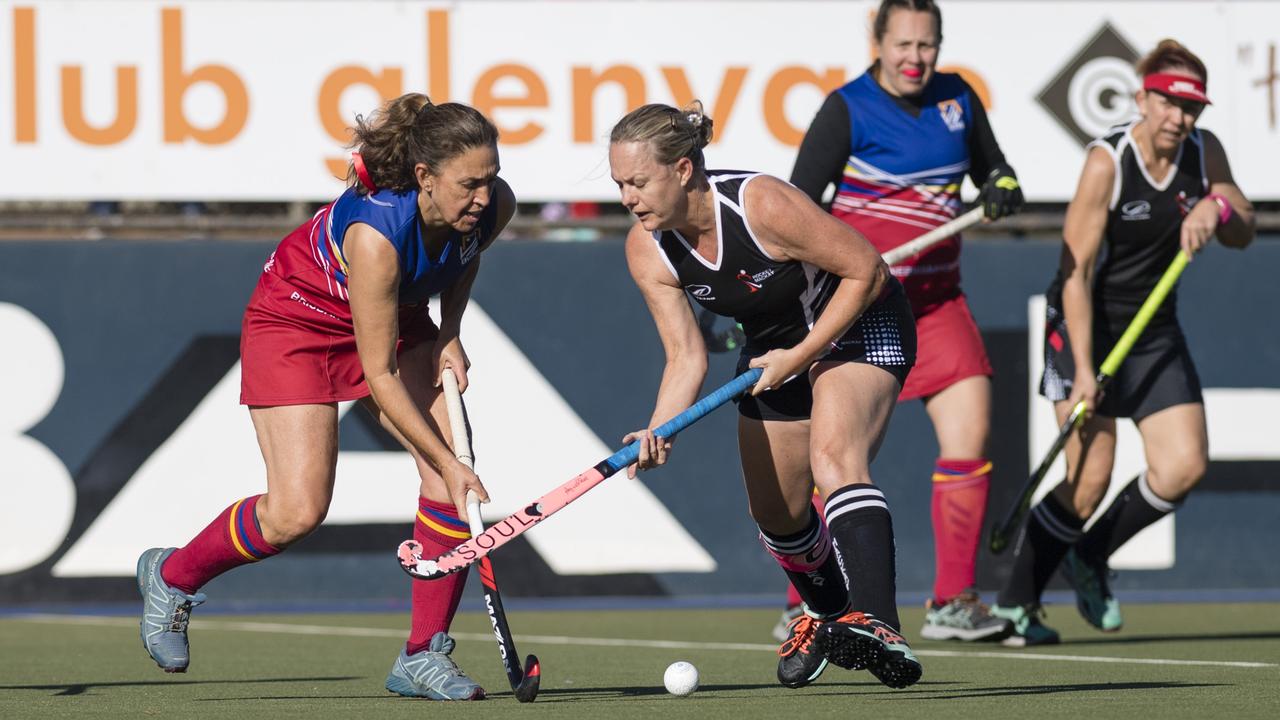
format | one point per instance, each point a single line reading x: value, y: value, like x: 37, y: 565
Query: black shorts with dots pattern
x: 885, y: 336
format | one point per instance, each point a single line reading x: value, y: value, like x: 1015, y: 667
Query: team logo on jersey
x: 1186, y: 202
x: 952, y: 114
x: 271, y: 262
x: 1135, y: 210
x: 755, y: 282
x: 470, y: 245
x: 701, y: 292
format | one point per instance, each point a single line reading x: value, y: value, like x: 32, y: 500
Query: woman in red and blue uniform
x: 897, y: 143
x: 340, y: 313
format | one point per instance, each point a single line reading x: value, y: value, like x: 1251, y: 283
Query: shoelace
x: 181, y: 616
x: 1036, y: 613
x: 450, y: 668
x: 802, y: 630
x: 886, y: 633
x: 880, y: 628
x: 971, y: 607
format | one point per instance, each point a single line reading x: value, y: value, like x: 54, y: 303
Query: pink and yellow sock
x: 439, y: 530
x: 958, y: 506
x: 233, y: 539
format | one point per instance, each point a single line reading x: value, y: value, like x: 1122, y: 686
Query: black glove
x: 1001, y: 195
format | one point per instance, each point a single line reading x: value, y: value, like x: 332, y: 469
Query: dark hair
x: 1170, y: 55
x: 411, y: 129
x: 881, y: 23
x: 673, y: 133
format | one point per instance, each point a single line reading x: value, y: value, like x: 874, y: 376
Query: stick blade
x: 527, y: 690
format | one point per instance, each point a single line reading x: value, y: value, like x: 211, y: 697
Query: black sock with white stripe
x: 862, y: 532
x: 811, y: 566
x: 1049, y: 533
x: 1134, y: 508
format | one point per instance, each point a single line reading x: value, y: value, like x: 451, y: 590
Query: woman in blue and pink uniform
x: 897, y: 143
x: 340, y: 313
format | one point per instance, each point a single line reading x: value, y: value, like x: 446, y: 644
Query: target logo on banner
x: 1095, y: 89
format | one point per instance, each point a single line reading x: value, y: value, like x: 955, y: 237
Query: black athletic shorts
x: 885, y: 336
x: 1157, y: 374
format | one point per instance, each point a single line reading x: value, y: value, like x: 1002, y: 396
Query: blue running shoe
x: 1093, y: 595
x: 432, y: 674
x: 165, y: 612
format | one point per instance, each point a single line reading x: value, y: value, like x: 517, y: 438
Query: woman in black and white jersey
x: 1149, y: 190
x: 833, y: 332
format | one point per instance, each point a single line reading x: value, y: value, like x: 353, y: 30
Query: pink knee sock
x: 959, y: 503
x: 231, y: 540
x: 439, y: 530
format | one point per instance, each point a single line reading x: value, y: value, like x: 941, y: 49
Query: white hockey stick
x: 933, y: 237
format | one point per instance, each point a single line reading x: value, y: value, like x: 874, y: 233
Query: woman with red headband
x: 1150, y: 189
x: 340, y: 313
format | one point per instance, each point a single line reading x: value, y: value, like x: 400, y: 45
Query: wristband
x: 1224, y: 207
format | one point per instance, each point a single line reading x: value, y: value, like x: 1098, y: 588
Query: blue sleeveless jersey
x: 394, y: 215
x: 903, y: 176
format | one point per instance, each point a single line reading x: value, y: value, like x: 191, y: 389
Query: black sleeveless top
x: 776, y: 302
x: 1142, y: 234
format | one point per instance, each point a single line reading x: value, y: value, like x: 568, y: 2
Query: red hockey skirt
x: 298, y: 346
x: 948, y: 349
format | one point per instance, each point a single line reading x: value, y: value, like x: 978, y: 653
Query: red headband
x: 362, y: 173
x: 1179, y: 86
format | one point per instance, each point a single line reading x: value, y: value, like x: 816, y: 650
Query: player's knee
x: 778, y: 517
x: 288, y: 521
x: 833, y: 467
x: 1084, y: 496
x: 1177, y: 475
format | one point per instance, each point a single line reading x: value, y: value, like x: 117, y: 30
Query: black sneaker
x: 858, y: 641
x: 798, y: 664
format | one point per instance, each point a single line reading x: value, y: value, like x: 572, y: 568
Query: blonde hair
x: 672, y: 133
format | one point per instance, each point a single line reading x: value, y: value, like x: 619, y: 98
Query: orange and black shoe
x: 798, y: 663
x: 858, y: 641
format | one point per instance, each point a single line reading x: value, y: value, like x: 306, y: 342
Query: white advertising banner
x: 224, y: 100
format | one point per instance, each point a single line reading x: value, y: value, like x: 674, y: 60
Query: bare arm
x: 792, y: 228
x: 454, y: 299
x: 1239, y: 230
x: 373, y: 285
x: 1082, y: 233
x: 686, y: 354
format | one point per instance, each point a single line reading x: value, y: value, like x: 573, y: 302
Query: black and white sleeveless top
x: 1143, y: 230
x: 775, y: 302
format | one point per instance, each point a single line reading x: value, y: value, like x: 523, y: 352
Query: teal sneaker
x: 1027, y: 629
x: 857, y: 641
x: 165, y: 613
x: 1093, y: 595
x: 432, y: 674
x: 963, y: 617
